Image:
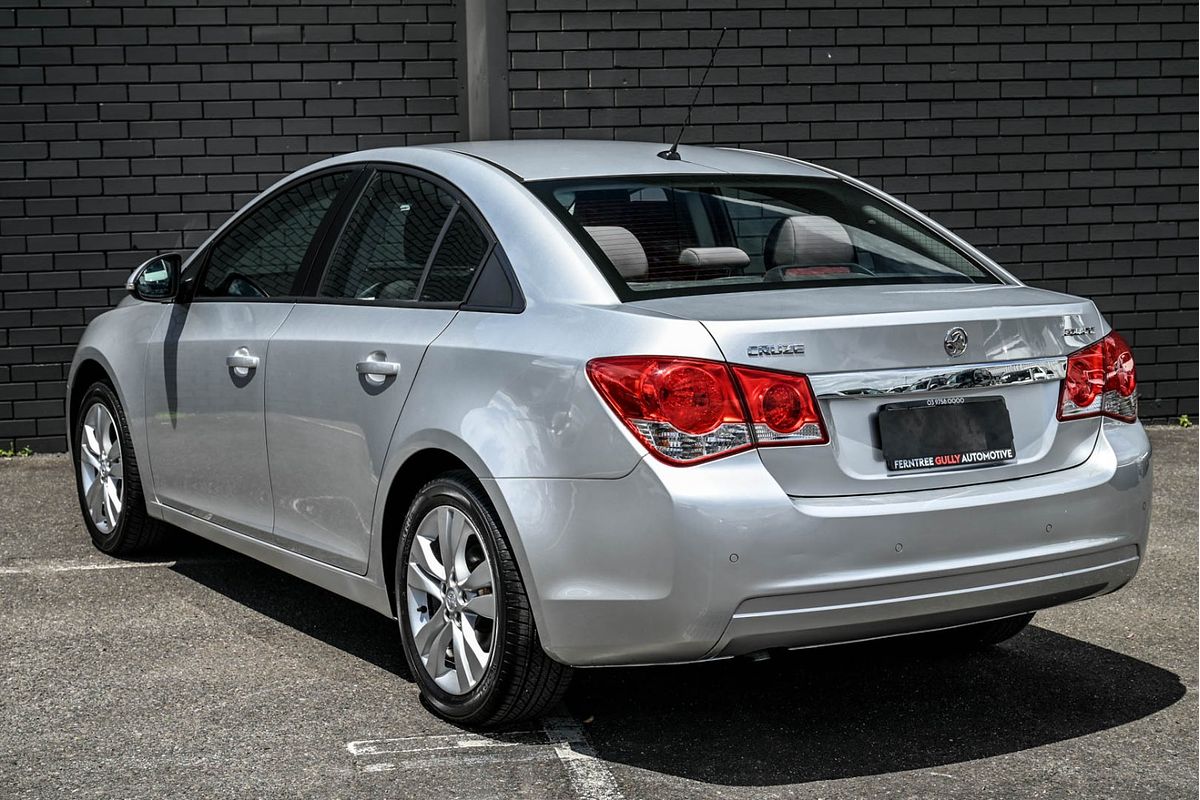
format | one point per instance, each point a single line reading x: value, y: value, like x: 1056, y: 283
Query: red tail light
x: 688, y: 410
x: 1101, y: 380
x: 782, y: 407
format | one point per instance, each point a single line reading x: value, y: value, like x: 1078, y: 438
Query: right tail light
x: 689, y: 410
x: 1101, y: 381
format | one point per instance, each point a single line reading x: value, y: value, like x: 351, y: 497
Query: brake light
x: 1101, y: 381
x: 689, y: 410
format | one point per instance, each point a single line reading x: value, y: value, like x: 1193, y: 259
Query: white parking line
x: 589, y: 775
x: 53, y: 567
x: 449, y: 741
x: 567, y: 741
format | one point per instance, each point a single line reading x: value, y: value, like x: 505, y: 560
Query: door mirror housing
x: 157, y: 280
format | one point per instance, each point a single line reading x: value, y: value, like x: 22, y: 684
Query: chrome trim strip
x: 938, y: 379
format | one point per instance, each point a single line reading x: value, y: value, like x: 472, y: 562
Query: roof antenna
x: 673, y: 153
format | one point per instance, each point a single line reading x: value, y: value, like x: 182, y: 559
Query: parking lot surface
x: 204, y: 674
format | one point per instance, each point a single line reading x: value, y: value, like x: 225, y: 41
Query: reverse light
x: 689, y: 410
x: 1101, y: 381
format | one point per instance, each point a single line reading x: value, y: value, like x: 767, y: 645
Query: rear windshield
x: 656, y: 237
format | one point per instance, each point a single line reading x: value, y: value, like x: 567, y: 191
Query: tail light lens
x: 688, y: 410
x: 782, y: 407
x: 1101, y: 381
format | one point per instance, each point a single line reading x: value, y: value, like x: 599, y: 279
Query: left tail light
x: 1101, y: 381
x: 689, y: 410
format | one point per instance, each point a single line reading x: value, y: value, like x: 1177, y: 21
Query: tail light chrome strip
x: 883, y: 383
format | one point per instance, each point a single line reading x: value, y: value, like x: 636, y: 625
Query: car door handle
x: 378, y: 367
x: 242, y: 360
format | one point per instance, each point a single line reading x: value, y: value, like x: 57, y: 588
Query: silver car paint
x: 204, y: 420
x: 628, y: 560
x: 328, y: 427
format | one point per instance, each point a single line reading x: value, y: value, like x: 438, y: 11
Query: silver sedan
x: 563, y: 404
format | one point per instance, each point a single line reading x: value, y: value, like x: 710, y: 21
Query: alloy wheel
x: 102, y: 470
x: 451, y: 602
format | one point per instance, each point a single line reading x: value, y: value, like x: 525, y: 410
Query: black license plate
x: 945, y: 432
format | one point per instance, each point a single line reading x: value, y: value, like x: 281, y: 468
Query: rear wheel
x: 468, y: 632
x: 107, y: 479
x: 983, y: 634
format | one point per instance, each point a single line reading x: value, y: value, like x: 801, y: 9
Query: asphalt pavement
x: 201, y: 673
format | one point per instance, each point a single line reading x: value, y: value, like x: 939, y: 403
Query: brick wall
x: 1060, y: 137
x: 126, y: 130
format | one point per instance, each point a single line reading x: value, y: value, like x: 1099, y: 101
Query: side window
x: 262, y: 253
x: 388, y: 239
x: 463, y: 247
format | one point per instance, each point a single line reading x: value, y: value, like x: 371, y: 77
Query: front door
x: 342, y: 364
x: 206, y: 373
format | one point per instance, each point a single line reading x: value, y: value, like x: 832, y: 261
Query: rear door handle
x: 241, y: 362
x: 376, y: 366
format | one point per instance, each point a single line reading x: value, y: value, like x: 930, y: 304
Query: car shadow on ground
x: 821, y: 714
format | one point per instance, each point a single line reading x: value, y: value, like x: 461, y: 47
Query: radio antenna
x: 673, y: 153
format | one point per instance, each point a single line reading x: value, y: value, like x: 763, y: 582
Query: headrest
x: 622, y: 248
x: 808, y: 239
x: 731, y: 257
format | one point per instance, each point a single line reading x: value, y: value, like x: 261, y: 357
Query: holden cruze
x: 557, y: 404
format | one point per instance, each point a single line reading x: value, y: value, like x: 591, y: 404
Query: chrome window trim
x: 939, y: 379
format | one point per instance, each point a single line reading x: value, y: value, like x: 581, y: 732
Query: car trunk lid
x: 864, y: 347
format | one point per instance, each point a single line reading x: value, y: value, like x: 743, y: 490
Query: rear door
x: 342, y: 364
x: 205, y: 386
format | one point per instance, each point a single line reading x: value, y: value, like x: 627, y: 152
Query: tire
x: 983, y: 634
x: 135, y: 532
x: 518, y: 681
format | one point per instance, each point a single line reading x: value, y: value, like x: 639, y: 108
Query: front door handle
x: 241, y: 362
x: 376, y: 368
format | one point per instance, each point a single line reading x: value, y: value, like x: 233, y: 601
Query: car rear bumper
x: 680, y: 564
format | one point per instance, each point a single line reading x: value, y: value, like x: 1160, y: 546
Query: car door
x: 342, y: 364
x: 205, y: 377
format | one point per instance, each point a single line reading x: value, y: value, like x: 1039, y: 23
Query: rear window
x: 656, y: 237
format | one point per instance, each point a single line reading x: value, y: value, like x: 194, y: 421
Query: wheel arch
x: 89, y: 367
x: 437, y: 454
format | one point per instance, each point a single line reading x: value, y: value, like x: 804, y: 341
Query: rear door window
x: 388, y: 239
x: 458, y: 257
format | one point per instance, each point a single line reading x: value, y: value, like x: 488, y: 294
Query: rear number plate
x: 945, y: 432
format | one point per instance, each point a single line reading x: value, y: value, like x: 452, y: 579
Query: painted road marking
x: 561, y: 738
x: 53, y: 567
x: 590, y: 776
x: 449, y: 741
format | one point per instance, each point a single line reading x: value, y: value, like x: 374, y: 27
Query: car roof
x: 542, y: 159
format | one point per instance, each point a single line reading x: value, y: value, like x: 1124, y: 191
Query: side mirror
x: 157, y: 280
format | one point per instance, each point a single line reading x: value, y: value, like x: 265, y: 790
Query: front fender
x: 116, y: 341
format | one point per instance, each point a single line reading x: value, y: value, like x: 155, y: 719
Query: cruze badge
x: 956, y: 342
x: 756, y: 350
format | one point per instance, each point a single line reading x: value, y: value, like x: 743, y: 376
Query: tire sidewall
x: 103, y: 393
x: 449, y: 491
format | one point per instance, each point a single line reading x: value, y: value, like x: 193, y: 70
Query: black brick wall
x: 126, y: 130
x: 1058, y: 136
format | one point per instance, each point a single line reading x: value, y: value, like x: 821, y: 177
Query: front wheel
x: 467, y: 629
x: 107, y: 479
